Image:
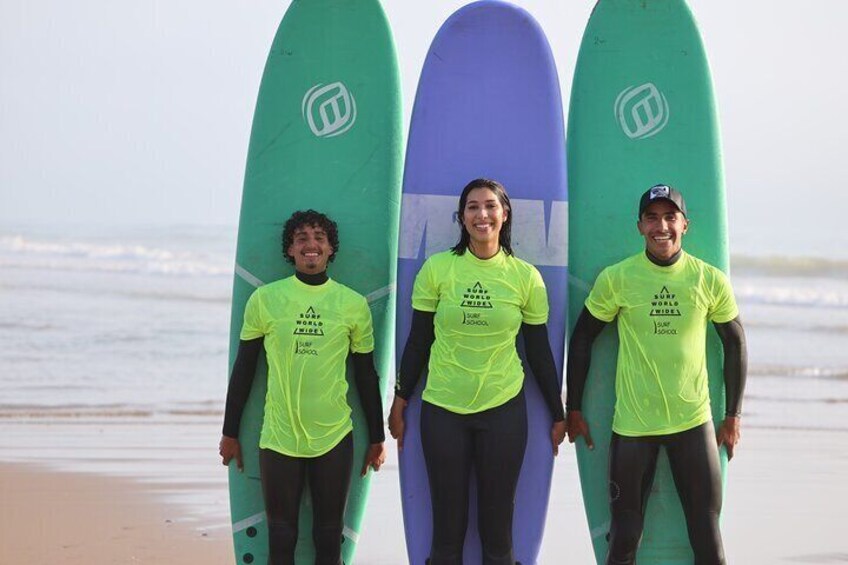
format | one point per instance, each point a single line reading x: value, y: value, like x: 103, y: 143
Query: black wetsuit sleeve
x: 586, y: 330
x: 416, y: 354
x: 241, y: 379
x: 541, y: 361
x: 732, y: 336
x: 368, y: 385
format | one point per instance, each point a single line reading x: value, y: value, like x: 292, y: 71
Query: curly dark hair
x: 505, y: 237
x: 315, y: 220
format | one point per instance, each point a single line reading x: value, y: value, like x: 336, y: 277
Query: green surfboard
x: 642, y: 112
x: 326, y: 135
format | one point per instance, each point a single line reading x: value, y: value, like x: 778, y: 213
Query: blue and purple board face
x: 488, y: 105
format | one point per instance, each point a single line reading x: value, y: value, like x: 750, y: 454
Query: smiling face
x: 663, y: 226
x: 483, y: 217
x: 310, y: 249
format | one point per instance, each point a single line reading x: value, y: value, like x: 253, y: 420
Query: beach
x: 783, y: 505
x: 71, y: 518
x: 114, y: 355
x: 126, y: 129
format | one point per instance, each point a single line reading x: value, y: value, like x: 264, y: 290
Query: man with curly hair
x: 308, y: 323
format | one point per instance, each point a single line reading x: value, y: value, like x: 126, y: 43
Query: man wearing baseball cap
x: 661, y: 300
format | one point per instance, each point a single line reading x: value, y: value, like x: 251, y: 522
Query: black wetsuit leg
x: 329, y: 482
x: 283, y: 478
x: 493, y: 442
x: 693, y: 457
x: 447, y: 443
x: 632, y: 465
x: 500, y: 443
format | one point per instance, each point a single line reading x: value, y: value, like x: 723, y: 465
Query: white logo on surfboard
x: 641, y: 111
x: 329, y: 110
x: 429, y: 220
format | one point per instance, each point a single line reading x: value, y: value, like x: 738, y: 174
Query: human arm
x: 416, y: 354
x: 541, y: 361
x: 368, y: 386
x: 732, y: 336
x: 586, y: 330
x: 241, y: 380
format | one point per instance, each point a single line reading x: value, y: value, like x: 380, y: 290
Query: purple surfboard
x: 488, y: 105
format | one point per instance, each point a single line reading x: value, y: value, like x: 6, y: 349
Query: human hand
x: 728, y: 434
x: 374, y: 457
x: 558, y: 431
x: 577, y: 427
x: 229, y: 448
x: 397, y: 425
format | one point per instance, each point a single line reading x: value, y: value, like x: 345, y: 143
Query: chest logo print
x: 476, y: 297
x: 309, y: 323
x: 665, y: 303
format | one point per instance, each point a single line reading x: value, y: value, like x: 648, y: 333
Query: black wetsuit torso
x: 587, y: 328
x: 536, y: 346
x: 244, y: 370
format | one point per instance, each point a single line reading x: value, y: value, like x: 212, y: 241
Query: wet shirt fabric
x: 661, y: 378
x: 479, y: 306
x: 308, y: 331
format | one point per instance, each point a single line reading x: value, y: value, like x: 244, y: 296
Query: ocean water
x: 132, y: 325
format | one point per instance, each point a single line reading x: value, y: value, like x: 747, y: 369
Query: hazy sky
x: 140, y: 112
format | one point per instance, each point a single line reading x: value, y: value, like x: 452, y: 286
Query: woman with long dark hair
x: 469, y: 304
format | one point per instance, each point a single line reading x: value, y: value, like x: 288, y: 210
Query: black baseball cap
x: 662, y: 192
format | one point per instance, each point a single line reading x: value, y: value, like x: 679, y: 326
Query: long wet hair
x: 505, y: 236
x: 312, y: 219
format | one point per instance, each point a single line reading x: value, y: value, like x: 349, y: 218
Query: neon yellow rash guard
x: 308, y: 332
x: 661, y: 379
x: 479, y: 306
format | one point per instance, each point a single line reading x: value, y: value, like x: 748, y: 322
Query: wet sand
x: 69, y: 518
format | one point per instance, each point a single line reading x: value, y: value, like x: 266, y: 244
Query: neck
x: 312, y: 279
x: 664, y: 262
x: 485, y: 250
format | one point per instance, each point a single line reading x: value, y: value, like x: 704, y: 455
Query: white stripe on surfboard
x: 247, y: 522
x: 380, y: 293
x: 600, y: 530
x: 350, y: 534
x: 347, y: 531
x: 580, y: 284
x: 247, y: 277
